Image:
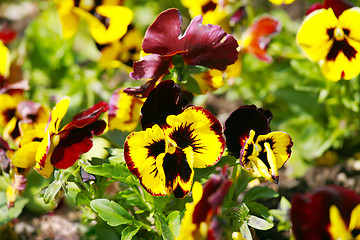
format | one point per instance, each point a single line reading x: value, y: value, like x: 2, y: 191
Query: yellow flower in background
x: 213, y: 12
x: 333, y: 42
x: 278, y: 2
x: 124, y: 111
x: 107, y: 21
x: 4, y: 60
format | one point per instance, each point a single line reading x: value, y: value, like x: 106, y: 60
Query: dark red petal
x: 310, y: 212
x: 176, y: 165
x: 7, y: 35
x: 214, y: 192
x: 209, y: 45
x: 239, y: 124
x: 238, y: 15
x: 164, y: 100
x: 338, y: 6
x: 74, y: 142
x: 150, y: 67
x: 314, y: 7
x: 162, y: 37
x: 143, y: 90
x: 86, y: 117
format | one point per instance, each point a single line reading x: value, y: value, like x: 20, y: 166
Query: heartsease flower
x: 163, y: 156
x: 204, y: 45
x: 248, y: 137
x: 199, y: 221
x: 107, y: 22
x: 255, y: 40
x: 328, y: 36
x: 328, y: 212
x: 60, y: 148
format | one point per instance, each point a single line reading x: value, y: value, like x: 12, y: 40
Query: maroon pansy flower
x: 310, y: 212
x: 205, y: 45
x: 248, y: 137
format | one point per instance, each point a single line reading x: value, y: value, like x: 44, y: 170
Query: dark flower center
x: 340, y: 46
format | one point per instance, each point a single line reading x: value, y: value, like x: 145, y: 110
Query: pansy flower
x: 213, y: 11
x: 174, y: 142
x: 199, y: 221
x: 122, y: 53
x: 328, y: 36
x: 204, y: 45
x: 255, y: 40
x: 60, y: 148
x: 328, y: 212
x: 278, y: 2
x: 248, y: 137
x: 124, y: 111
x: 107, y: 21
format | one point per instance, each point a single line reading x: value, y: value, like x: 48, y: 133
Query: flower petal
x: 74, y: 142
x: 239, y: 124
x: 162, y: 101
x: 142, y: 152
x: 257, y: 38
x: 338, y: 6
x: 117, y: 20
x: 124, y: 111
x: 162, y: 37
x: 24, y: 157
x: 209, y: 45
x: 86, y: 117
x: 198, y: 128
x: 313, y: 35
x: 150, y: 67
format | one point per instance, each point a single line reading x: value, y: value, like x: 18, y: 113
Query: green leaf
x: 191, y: 69
x: 259, y: 210
x: 129, y: 232
x: 115, y: 171
x: 192, y: 85
x: 165, y: 230
x: 7, y: 214
x: 259, y: 223
x: 51, y: 191
x: 174, y: 222
x: 111, y: 212
x: 260, y: 192
x: 116, y: 137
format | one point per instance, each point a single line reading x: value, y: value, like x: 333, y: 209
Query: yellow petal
x: 355, y: 218
x: 312, y: 35
x: 338, y: 229
x: 198, y: 128
x: 347, y: 20
x: 120, y: 17
x: 278, y: 2
x: 24, y: 157
x: 143, y: 151
x: 127, y: 115
x: 210, y: 80
x: 7, y: 108
x: 58, y: 113
x: 4, y: 60
x: 70, y: 24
